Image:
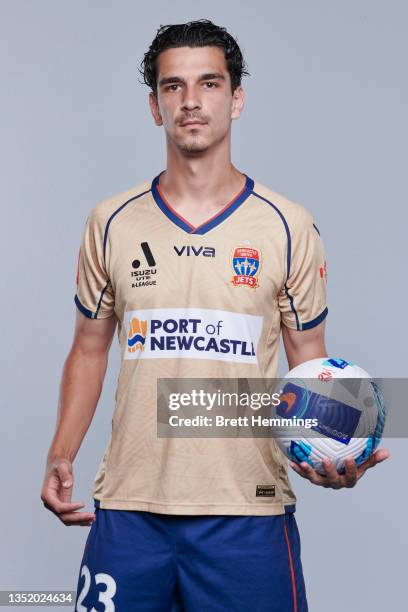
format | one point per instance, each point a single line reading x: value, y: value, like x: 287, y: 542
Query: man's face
x: 193, y: 85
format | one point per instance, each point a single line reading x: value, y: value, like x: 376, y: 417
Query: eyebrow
x: 208, y: 76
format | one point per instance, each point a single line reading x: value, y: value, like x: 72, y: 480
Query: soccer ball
x: 332, y: 409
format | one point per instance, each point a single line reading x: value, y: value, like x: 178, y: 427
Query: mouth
x: 192, y: 124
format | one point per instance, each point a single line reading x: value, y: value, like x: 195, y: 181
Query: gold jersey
x: 194, y: 302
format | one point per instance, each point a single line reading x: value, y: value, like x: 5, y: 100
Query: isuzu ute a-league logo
x: 246, y: 265
x: 144, y: 277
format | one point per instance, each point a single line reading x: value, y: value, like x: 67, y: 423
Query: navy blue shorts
x: 138, y: 561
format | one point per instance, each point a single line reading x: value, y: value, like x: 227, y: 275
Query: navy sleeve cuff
x: 85, y: 311
x: 314, y: 321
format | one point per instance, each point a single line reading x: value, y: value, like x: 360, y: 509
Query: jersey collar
x: 203, y: 228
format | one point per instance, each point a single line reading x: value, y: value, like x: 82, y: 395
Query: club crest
x: 246, y: 264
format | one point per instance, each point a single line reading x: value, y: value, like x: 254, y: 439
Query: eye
x: 213, y: 85
x: 170, y: 87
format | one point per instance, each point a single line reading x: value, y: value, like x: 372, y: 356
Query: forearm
x: 80, y: 389
x: 305, y: 353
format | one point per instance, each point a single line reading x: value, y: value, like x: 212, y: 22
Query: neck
x: 209, y: 175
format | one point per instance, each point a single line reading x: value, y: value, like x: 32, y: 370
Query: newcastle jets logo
x: 143, y: 277
x: 246, y: 265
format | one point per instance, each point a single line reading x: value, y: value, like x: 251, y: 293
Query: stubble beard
x: 193, y: 145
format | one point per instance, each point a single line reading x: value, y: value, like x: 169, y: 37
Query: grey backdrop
x: 324, y: 124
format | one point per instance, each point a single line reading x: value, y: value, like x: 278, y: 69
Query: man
x: 201, y: 268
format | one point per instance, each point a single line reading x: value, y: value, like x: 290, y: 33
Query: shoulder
x: 294, y: 215
x: 107, y: 208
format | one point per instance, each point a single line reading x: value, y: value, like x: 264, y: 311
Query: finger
x: 63, y: 467
x: 52, y: 497
x: 332, y: 475
x: 312, y: 475
x: 55, y: 505
x: 78, y: 524
x: 349, y: 478
x: 65, y: 494
x: 375, y: 458
x: 297, y: 469
x: 77, y: 518
x: 65, y: 474
x: 381, y: 455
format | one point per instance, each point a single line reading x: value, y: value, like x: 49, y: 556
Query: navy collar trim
x: 203, y: 228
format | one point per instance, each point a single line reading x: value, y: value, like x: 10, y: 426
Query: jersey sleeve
x: 303, y: 298
x: 94, y: 293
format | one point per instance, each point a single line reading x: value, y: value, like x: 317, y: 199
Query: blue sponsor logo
x: 335, y: 419
x: 337, y: 363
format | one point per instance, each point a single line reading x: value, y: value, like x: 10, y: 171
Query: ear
x: 154, y: 108
x: 237, y: 102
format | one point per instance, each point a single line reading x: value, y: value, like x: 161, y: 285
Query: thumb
x: 64, y: 471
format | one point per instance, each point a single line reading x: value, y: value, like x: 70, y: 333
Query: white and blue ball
x: 350, y: 413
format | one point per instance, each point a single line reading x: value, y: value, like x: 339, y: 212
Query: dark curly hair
x: 200, y: 33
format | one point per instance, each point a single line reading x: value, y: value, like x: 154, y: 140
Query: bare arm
x: 300, y: 346
x: 81, y: 385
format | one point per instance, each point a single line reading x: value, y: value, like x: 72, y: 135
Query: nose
x: 191, y: 99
